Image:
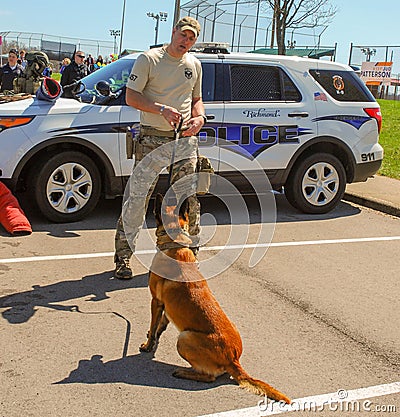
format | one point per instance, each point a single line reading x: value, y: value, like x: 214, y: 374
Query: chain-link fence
x: 245, y: 25
x: 56, y: 47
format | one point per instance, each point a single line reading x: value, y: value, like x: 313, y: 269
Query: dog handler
x: 165, y: 85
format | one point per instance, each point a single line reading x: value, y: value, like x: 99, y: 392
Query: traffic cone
x: 12, y: 216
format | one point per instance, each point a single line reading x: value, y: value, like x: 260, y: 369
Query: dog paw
x: 147, y: 346
x: 177, y: 373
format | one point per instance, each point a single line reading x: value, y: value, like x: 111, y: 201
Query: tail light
x: 375, y: 112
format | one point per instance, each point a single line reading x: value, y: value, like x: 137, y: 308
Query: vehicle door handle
x: 299, y: 114
x: 210, y: 116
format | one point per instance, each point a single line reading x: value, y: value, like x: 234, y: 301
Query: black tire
x: 67, y: 187
x: 316, y: 184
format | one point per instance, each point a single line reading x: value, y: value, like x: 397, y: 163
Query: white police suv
x: 312, y: 126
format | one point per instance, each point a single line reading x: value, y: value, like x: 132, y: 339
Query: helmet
x: 37, y: 62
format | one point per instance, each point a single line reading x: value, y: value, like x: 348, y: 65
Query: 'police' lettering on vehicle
x: 251, y: 136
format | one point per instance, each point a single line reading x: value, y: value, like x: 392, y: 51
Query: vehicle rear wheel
x: 316, y: 184
x: 67, y: 187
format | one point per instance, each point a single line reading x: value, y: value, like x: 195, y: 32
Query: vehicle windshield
x: 116, y: 74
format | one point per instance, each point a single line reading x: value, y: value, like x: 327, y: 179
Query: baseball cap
x: 13, y: 51
x: 189, y: 23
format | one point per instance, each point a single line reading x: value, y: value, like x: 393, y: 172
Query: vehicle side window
x: 208, y: 82
x: 261, y: 83
x: 290, y: 91
x: 342, y: 85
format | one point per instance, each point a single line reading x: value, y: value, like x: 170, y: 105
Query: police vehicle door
x: 266, y: 117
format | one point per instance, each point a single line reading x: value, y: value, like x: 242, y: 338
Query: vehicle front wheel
x: 316, y: 184
x: 67, y: 187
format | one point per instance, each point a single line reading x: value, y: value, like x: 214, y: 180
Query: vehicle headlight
x: 14, y: 121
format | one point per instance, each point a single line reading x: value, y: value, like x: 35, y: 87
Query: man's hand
x: 193, y: 126
x: 171, y: 115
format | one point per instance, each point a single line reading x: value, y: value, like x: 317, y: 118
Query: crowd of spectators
x: 71, y: 70
x: 91, y: 63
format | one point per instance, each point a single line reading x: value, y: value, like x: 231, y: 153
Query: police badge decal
x: 188, y: 73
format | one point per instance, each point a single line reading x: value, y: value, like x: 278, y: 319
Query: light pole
x: 176, y: 12
x: 368, y: 53
x: 161, y: 16
x: 115, y: 33
x: 122, y: 27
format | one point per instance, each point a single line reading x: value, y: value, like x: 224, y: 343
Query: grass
x: 390, y: 138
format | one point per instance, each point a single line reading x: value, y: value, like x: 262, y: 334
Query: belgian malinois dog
x: 208, y: 340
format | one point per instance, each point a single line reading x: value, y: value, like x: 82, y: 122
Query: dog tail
x: 255, y: 386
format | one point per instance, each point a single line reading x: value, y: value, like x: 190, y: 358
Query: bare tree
x: 7, y: 45
x: 296, y: 14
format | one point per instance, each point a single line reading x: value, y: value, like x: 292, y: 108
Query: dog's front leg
x: 157, y: 309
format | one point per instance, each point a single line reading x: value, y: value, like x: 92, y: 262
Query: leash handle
x: 178, y: 128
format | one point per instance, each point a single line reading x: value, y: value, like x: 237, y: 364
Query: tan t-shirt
x: 166, y: 80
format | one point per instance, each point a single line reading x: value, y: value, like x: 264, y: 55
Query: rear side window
x: 208, y: 82
x: 342, y: 85
x: 261, y: 83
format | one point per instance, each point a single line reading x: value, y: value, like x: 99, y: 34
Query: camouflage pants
x: 156, y: 155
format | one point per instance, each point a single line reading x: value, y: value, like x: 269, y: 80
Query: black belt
x: 151, y: 131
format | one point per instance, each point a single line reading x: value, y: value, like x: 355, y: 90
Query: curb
x: 375, y: 204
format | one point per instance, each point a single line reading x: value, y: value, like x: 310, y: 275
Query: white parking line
x: 341, y: 401
x: 205, y: 248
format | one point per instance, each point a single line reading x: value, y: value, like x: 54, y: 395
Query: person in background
x: 48, y: 71
x: 76, y: 70
x: 90, y: 63
x: 23, y: 62
x: 10, y: 71
x: 65, y: 62
x: 99, y: 62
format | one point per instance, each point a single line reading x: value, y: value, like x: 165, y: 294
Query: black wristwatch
x: 204, y: 118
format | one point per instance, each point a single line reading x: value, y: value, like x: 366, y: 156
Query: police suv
x: 311, y: 125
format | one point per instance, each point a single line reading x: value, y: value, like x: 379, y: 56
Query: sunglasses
x: 81, y: 56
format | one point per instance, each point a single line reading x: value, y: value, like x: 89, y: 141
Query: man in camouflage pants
x: 165, y: 85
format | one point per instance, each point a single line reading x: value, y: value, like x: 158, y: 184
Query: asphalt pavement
x: 69, y: 333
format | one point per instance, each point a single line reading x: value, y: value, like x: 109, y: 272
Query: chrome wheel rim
x: 320, y: 184
x: 69, y: 188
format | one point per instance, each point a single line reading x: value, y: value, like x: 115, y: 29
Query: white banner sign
x: 376, y: 72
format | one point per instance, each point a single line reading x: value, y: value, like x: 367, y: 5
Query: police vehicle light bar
x: 211, y: 47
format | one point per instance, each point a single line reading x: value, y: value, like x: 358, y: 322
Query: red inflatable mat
x: 12, y: 216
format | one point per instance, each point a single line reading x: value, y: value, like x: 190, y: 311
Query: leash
x: 176, y: 135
